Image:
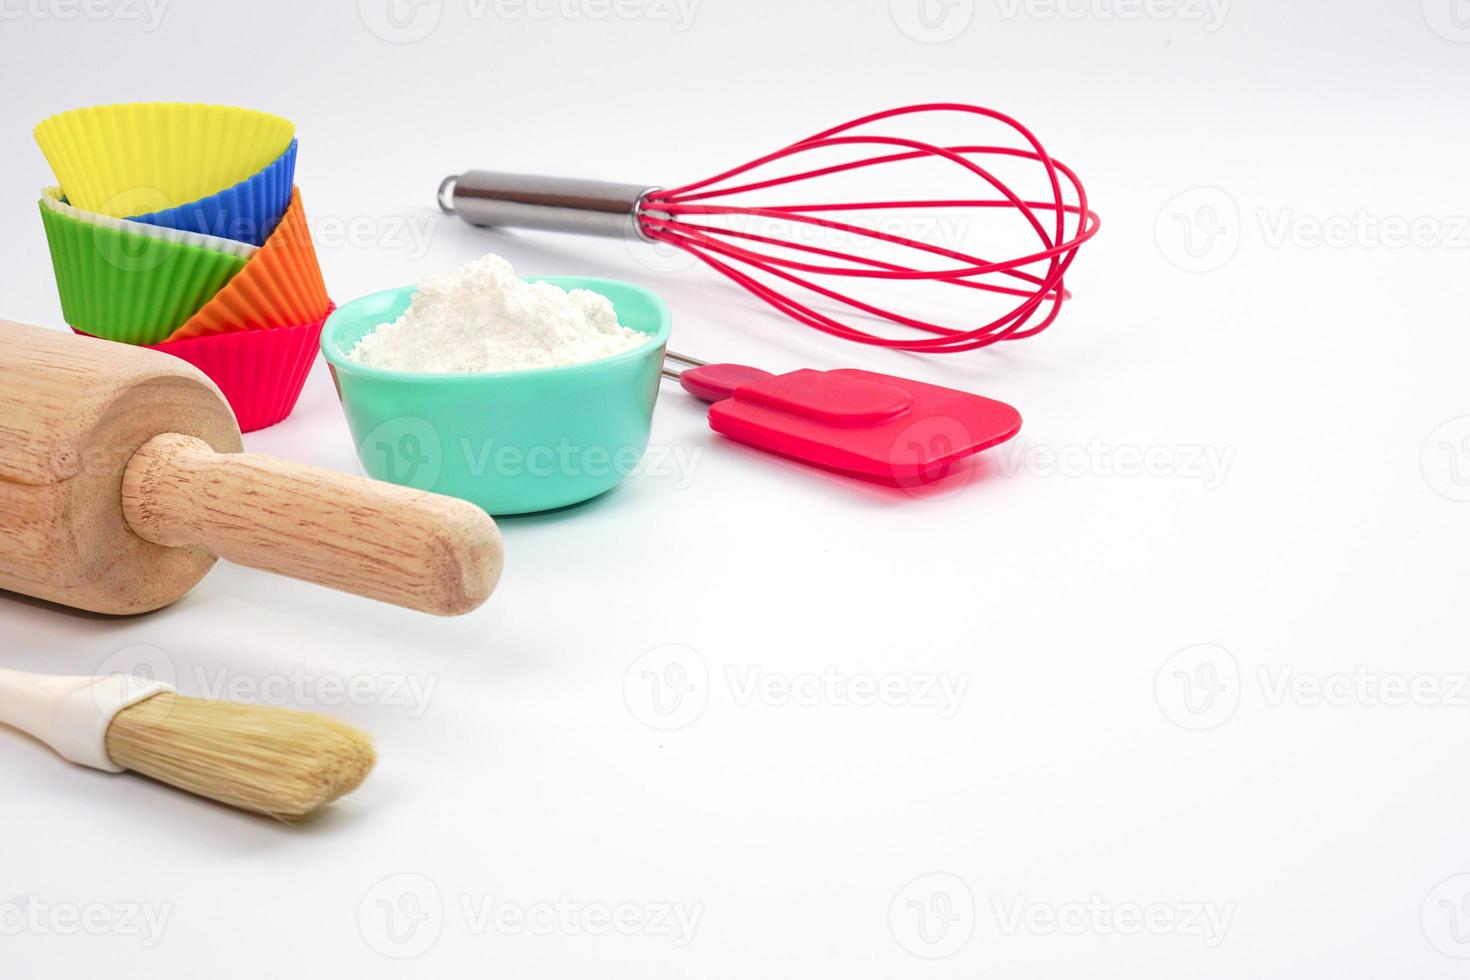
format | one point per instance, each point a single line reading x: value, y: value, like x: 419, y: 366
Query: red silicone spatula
x: 873, y: 426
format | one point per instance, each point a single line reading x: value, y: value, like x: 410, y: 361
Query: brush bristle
x: 286, y: 764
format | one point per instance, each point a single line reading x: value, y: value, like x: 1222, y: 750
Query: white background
x: 1327, y: 832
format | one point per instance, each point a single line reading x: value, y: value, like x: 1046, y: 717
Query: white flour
x: 482, y: 317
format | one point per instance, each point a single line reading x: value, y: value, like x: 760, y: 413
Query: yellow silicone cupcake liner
x: 140, y: 157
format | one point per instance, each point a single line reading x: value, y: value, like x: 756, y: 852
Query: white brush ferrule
x: 72, y: 714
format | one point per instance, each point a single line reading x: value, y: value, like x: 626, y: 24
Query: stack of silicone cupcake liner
x: 179, y: 227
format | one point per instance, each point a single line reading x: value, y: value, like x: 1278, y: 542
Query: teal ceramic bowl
x: 513, y: 442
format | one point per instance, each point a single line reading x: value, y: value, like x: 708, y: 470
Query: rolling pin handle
x: 421, y: 550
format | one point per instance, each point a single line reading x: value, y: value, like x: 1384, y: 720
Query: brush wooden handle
x: 425, y: 551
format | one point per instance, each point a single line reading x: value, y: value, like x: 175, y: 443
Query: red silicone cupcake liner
x: 260, y: 372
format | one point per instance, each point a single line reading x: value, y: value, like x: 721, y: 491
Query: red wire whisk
x: 864, y: 266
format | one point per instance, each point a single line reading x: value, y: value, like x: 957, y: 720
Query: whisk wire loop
x: 699, y: 218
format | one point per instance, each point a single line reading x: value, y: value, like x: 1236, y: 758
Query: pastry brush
x: 285, y: 764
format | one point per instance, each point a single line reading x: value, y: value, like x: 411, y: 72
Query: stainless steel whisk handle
x: 585, y: 207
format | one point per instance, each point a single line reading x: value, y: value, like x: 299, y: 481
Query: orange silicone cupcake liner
x: 280, y: 286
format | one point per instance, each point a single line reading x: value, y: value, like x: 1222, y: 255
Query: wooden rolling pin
x: 122, y: 480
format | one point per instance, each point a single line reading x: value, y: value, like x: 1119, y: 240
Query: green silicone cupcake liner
x: 130, y: 287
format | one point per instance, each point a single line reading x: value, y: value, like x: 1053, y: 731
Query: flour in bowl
x: 482, y: 317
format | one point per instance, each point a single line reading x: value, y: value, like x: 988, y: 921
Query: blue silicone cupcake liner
x: 247, y: 212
